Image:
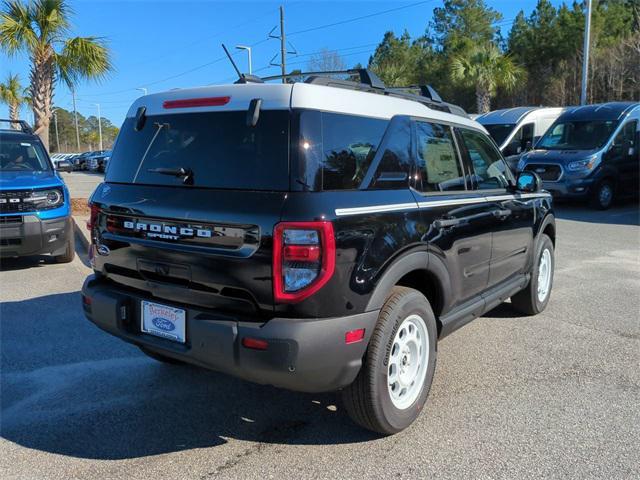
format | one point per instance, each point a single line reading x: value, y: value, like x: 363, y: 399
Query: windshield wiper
x: 159, y: 127
x: 186, y: 174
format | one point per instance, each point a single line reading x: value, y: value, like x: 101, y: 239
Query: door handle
x: 449, y: 222
x: 501, y: 214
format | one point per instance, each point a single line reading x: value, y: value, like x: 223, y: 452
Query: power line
x: 355, y: 19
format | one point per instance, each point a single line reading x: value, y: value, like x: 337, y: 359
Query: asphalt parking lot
x: 82, y: 184
x: 555, y: 395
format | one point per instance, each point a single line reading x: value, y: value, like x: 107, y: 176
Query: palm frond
x: 16, y: 27
x: 11, y: 91
x: 51, y: 18
x: 83, y: 58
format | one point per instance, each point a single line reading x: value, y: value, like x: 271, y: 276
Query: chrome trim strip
x: 341, y: 212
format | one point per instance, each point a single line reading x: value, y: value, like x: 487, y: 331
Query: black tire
x: 70, y: 252
x: 367, y: 400
x: 527, y: 300
x: 160, y: 358
x: 603, y: 195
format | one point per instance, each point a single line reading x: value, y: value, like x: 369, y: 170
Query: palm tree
x: 40, y: 29
x: 486, y: 68
x: 13, y: 94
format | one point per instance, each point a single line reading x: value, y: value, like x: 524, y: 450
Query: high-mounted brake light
x: 196, y: 102
x: 304, y: 259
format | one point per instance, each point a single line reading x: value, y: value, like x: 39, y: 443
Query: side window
x: 439, y: 167
x: 336, y: 149
x: 624, y: 145
x: 522, y: 138
x: 395, y: 162
x: 489, y: 167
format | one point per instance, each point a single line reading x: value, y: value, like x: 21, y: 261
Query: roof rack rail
x: 370, y: 82
x: 24, y: 126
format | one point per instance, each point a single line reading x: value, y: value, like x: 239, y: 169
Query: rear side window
x: 335, y: 150
x: 488, y: 165
x: 219, y: 148
x: 438, y: 163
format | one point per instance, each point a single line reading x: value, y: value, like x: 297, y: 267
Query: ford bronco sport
x: 35, y: 207
x: 320, y: 235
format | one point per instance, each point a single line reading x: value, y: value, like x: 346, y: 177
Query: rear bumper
x: 308, y: 355
x: 23, y: 235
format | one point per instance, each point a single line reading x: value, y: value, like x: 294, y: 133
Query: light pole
x: 55, y: 122
x: 99, y: 125
x: 585, y: 54
x: 248, y: 49
x: 75, y: 117
x: 143, y: 90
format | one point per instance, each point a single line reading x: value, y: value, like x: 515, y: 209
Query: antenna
x: 232, y: 62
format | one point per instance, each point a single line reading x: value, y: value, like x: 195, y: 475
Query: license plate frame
x: 163, y: 321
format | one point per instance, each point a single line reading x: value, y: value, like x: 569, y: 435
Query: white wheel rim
x: 544, y: 275
x: 408, y: 361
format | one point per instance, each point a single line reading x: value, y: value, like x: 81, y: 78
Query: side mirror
x: 528, y: 182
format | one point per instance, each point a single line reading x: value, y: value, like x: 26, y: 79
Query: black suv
x: 317, y: 236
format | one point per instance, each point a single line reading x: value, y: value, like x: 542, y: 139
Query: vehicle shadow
x: 623, y: 213
x: 70, y: 389
x: 22, y: 263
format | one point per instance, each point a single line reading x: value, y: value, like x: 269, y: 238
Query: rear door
x: 188, y: 207
x: 625, y: 155
x: 458, y: 227
x: 510, y: 219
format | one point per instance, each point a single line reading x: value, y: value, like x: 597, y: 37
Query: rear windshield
x: 22, y: 155
x: 218, y: 149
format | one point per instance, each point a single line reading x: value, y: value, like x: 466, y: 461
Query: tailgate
x: 205, y: 247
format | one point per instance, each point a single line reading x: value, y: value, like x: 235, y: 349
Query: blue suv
x: 35, y: 207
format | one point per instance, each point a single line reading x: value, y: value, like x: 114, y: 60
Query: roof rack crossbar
x: 24, y: 126
x: 370, y: 82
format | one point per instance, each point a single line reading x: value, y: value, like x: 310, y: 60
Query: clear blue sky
x: 167, y: 44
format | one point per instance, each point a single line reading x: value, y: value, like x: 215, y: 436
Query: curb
x: 81, y: 232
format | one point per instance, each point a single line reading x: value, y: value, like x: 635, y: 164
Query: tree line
x: 464, y: 56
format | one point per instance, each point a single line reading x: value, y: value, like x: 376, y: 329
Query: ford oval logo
x: 103, y: 250
x: 163, y: 324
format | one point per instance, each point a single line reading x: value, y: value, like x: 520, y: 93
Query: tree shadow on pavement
x: 70, y: 389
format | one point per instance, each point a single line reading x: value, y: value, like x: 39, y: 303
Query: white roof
x: 296, y: 95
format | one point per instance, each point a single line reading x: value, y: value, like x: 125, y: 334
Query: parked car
x: 590, y: 152
x: 81, y: 161
x: 317, y: 236
x: 98, y: 161
x: 35, y: 212
x: 63, y: 161
x: 517, y: 130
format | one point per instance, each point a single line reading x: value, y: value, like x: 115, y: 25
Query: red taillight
x: 354, y: 336
x: 93, y: 216
x: 87, y: 300
x: 255, y: 343
x: 196, y: 102
x: 304, y: 259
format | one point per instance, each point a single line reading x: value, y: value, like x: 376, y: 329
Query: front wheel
x: 535, y: 296
x: 393, y: 384
x: 603, y: 195
x: 69, y: 252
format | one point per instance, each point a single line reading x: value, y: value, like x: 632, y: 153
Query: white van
x: 517, y: 129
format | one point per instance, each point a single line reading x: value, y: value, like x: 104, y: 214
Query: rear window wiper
x: 186, y: 174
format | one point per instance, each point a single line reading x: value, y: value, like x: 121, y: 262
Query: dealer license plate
x: 163, y: 321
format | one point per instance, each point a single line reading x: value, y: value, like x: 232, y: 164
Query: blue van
x: 590, y: 152
x: 35, y: 207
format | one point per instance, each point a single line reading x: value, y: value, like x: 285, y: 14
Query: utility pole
x: 248, y: 49
x: 75, y: 117
x: 585, y: 54
x: 55, y: 122
x: 283, y: 46
x: 99, y: 126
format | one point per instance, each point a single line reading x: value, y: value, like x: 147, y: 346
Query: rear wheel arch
x: 422, y: 271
